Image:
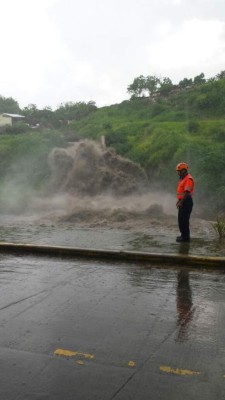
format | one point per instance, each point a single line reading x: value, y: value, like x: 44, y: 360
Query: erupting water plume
x: 91, y: 185
x: 86, y: 169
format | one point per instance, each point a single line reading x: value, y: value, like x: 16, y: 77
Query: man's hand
x: 179, y: 203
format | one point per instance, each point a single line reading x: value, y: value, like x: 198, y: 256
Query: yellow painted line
x: 131, y: 364
x: 69, y: 353
x: 79, y: 362
x: 178, y: 371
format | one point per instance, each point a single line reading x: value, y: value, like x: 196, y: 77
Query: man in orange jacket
x: 185, y: 190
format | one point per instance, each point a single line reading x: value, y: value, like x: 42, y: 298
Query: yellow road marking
x: 131, y: 364
x: 69, y: 353
x: 80, y: 362
x: 178, y: 371
x: 163, y: 368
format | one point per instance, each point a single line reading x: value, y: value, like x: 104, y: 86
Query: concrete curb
x: 61, y: 251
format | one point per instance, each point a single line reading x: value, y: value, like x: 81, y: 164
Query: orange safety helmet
x: 181, y: 166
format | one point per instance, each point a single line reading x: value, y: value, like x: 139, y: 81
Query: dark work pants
x: 184, y: 213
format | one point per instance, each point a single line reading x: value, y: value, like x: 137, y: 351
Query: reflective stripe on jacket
x: 185, y: 185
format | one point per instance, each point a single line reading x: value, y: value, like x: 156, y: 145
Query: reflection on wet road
x: 185, y: 308
x: 101, y: 330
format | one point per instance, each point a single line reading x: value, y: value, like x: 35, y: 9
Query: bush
x: 157, y: 109
x: 15, y: 129
x: 193, y: 126
x: 219, y: 227
x: 219, y: 135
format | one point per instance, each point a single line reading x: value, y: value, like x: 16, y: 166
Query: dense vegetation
x: 161, y: 125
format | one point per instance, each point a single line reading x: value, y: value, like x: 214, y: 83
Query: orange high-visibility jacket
x: 185, y: 185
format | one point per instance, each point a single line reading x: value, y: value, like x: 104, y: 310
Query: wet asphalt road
x: 100, y: 330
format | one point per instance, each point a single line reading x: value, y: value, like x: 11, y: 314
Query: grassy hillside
x: 187, y: 126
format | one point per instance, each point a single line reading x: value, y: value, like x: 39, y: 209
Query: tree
x: 138, y: 86
x: 166, y: 85
x: 152, y: 84
x: 211, y: 80
x: 31, y: 113
x: 75, y: 111
x: 36, y: 117
x: 221, y: 75
x: 144, y: 86
x: 184, y: 83
x: 199, y: 79
x: 31, y: 108
x: 9, y: 105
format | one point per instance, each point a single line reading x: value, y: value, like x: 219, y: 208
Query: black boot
x: 181, y: 239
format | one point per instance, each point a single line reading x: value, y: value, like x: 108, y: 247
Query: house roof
x: 13, y: 115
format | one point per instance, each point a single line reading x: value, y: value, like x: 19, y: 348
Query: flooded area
x: 102, y: 330
x: 140, y: 233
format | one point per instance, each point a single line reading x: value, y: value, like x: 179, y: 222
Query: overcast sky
x: 54, y: 51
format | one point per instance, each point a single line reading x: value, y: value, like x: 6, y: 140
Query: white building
x: 10, y: 119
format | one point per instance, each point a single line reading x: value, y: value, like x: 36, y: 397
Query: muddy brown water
x: 87, y: 168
